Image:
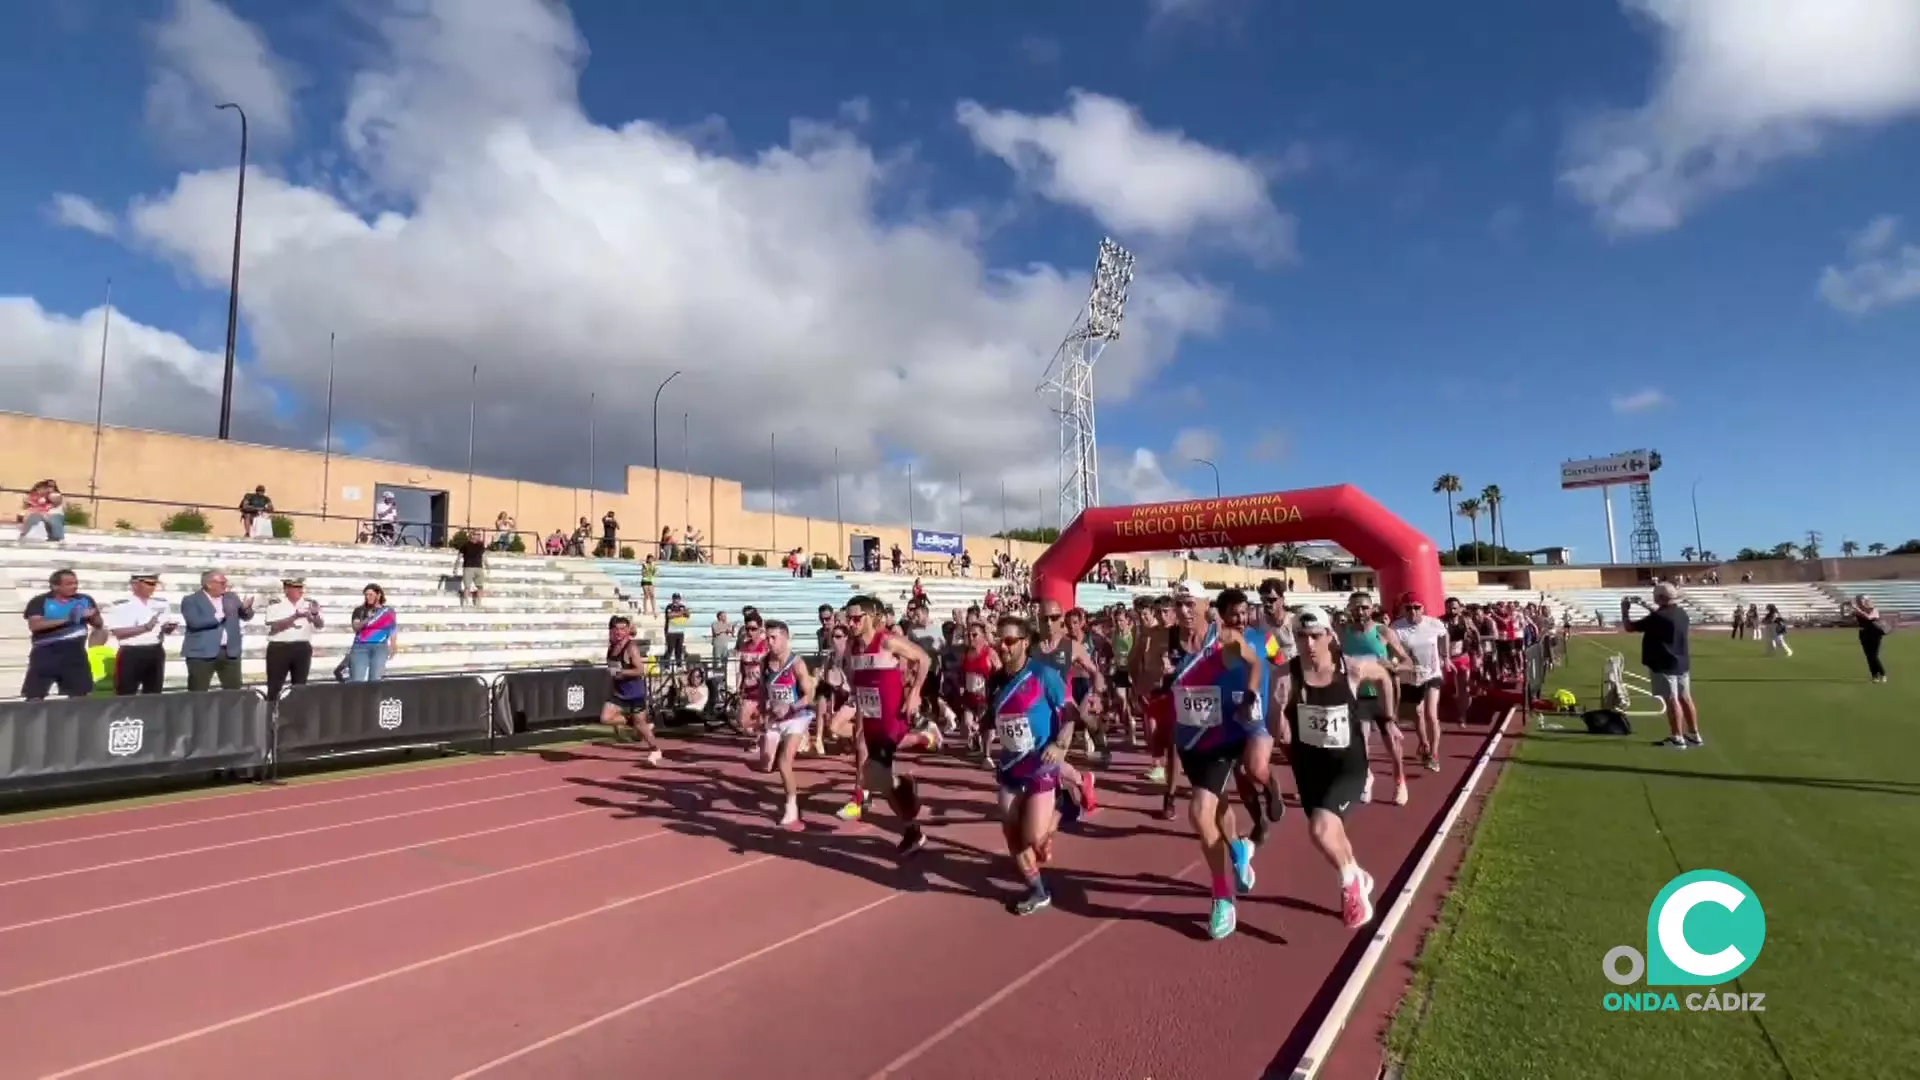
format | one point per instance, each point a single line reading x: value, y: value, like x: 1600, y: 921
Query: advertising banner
x: 323, y: 719
x: 928, y: 542
x: 1632, y: 467
x: 67, y: 743
x: 551, y: 697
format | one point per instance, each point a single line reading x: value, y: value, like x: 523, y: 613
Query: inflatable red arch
x: 1404, y: 559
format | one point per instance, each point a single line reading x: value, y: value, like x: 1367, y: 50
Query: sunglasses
x: 1016, y: 640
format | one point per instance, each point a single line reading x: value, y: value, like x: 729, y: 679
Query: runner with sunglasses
x: 1217, y: 689
x: 887, y: 672
x: 1034, y: 718
x: 1364, y: 639
x: 1423, y: 640
x: 1056, y: 648
x: 1328, y: 752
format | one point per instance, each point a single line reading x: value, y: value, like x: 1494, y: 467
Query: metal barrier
x: 76, y: 743
x: 530, y: 699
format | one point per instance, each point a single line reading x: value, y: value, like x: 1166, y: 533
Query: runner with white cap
x: 1328, y: 751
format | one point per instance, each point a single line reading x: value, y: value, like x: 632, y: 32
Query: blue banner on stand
x: 928, y: 542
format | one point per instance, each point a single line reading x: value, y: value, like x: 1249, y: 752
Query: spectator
x: 1665, y: 654
x: 1873, y: 631
x: 386, y: 519
x: 582, y: 533
x: 375, y: 636
x: 666, y: 543
x: 291, y: 621
x: 648, y: 570
x: 692, y: 545
x: 503, y: 527
x: 678, y: 617
x: 720, y: 639
x: 557, y: 543
x: 896, y: 558
x: 472, y: 567
x: 609, y: 536
x: 254, y: 506
x: 44, y: 506
x: 58, y: 622
x: 212, y: 646
x: 140, y: 624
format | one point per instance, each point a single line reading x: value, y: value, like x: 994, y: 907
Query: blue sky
x: 1377, y: 242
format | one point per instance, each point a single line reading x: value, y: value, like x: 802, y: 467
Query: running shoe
x: 1400, y: 793
x: 1033, y: 900
x: 1167, y: 812
x: 1223, y: 921
x: 1243, y: 875
x: 1157, y: 775
x: 1356, y: 901
x: 1088, y: 804
x: 933, y: 737
x: 1366, y: 788
x: 1273, y: 802
x: 1695, y: 740
x: 849, y: 812
x: 653, y: 757
x: 790, y: 821
x: 911, y: 841
x: 1673, y: 742
x: 1432, y: 763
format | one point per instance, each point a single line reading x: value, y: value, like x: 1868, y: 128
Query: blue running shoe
x: 1223, y: 921
x: 1243, y: 875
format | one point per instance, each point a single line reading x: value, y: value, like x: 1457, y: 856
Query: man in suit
x: 213, y: 618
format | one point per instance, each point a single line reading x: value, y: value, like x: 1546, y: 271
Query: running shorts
x: 1159, y: 725
x: 796, y: 723
x: 1369, y: 709
x: 1028, y: 774
x: 1082, y: 688
x: 1329, y: 780
x: 629, y: 706
x: 1415, y: 693
x: 1210, y: 768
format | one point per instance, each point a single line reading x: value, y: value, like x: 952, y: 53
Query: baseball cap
x: 1312, y: 619
x: 1184, y: 587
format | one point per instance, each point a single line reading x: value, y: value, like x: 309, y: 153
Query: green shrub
x: 517, y: 545
x: 626, y: 551
x: 459, y: 537
x: 282, y: 527
x: 123, y: 523
x: 187, y: 520
x: 745, y: 561
x: 1213, y: 586
x: 78, y: 517
x: 825, y: 562
x: 759, y: 560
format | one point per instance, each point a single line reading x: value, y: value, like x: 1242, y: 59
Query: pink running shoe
x: 1356, y: 901
x: 1088, y: 804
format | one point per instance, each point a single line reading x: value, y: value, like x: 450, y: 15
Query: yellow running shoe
x: 850, y: 812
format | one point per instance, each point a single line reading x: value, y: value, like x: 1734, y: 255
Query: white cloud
x: 205, y: 55
x: 1140, y: 182
x: 1139, y: 477
x: 1742, y: 84
x: 80, y: 212
x: 1268, y: 447
x: 1193, y: 443
x: 1641, y: 401
x: 568, y: 258
x: 1879, y: 271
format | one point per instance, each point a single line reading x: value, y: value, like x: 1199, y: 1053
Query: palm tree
x: 1687, y: 554
x: 1449, y: 485
x: 1470, y: 509
x: 1849, y: 548
x: 1876, y: 548
x: 1490, y: 496
x: 1785, y: 550
x: 1708, y: 556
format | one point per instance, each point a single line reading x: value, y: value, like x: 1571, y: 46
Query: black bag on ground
x: 1607, y: 722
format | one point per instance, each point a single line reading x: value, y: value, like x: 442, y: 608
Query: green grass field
x: 1808, y: 790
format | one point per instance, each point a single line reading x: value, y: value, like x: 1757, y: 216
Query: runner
x: 1120, y: 681
x: 626, y: 708
x: 1421, y: 640
x: 1329, y: 759
x: 1363, y: 639
x: 1088, y: 685
x: 887, y: 672
x: 1069, y: 659
x: 752, y: 655
x: 1034, y: 719
x: 1184, y: 634
x: 1463, y: 644
x: 786, y: 702
x: 833, y: 710
x: 1216, y: 695
x: 979, y: 664
x: 1259, y: 786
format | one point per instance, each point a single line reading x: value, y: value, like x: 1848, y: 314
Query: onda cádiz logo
x: 390, y: 712
x: 126, y: 737
x: 1704, y: 929
x: 576, y: 699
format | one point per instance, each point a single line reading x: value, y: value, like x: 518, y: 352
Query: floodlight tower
x: 1069, y: 379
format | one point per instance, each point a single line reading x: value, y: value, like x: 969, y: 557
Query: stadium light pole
x: 1216, y: 474
x: 1698, y: 547
x: 100, y: 404
x: 657, y: 391
x: 233, y: 282
x: 592, y: 473
x: 909, y: 502
x: 773, y: 506
x: 326, y: 456
x: 839, y: 521
x: 686, y: 468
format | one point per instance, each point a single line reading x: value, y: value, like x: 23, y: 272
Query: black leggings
x: 1870, y: 644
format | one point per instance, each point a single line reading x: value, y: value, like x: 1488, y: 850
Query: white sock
x: 1349, y: 874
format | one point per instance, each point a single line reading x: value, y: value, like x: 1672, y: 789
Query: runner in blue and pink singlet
x: 1033, y: 718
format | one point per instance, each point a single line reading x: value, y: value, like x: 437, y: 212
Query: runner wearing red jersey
x: 887, y: 671
x: 978, y: 664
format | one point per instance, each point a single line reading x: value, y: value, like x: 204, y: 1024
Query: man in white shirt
x: 1425, y: 640
x: 291, y: 621
x: 140, y: 625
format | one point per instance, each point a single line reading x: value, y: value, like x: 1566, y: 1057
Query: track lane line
x: 967, y: 1018
x: 404, y: 969
x: 250, y: 813
x: 270, y: 875
x: 334, y: 913
x: 96, y: 868
x: 691, y: 981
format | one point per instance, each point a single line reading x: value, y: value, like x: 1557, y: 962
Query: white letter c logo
x: 1673, y: 933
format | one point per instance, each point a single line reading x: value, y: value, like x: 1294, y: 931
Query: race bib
x: 780, y: 696
x: 615, y: 667
x: 1015, y: 732
x: 749, y: 675
x: 866, y: 699
x: 1198, y: 706
x: 976, y: 684
x: 1325, y: 726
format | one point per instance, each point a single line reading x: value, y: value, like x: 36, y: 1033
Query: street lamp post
x: 233, y: 282
x: 656, y: 447
x: 1698, y: 547
x: 1216, y: 474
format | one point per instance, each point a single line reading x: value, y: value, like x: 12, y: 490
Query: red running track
x: 574, y: 914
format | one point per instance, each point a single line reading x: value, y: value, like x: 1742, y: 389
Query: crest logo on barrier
x: 390, y: 712
x: 576, y: 699
x: 126, y: 737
